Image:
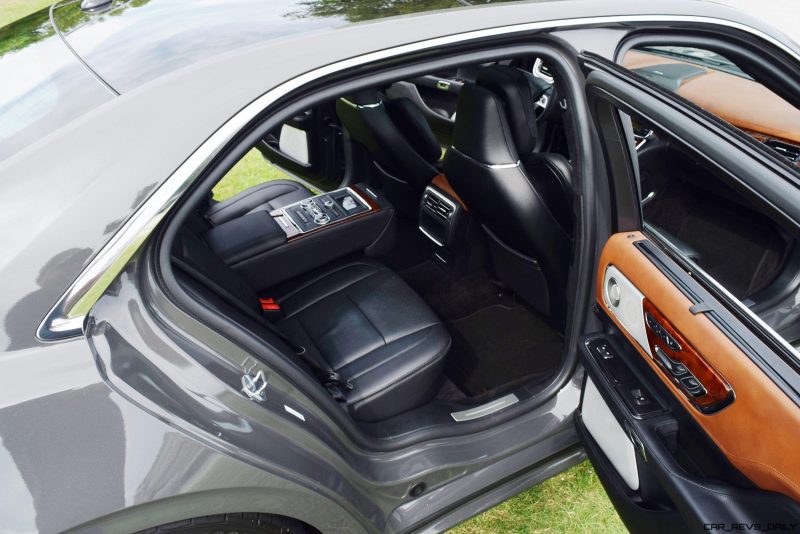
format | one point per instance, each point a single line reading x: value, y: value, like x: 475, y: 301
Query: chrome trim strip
x: 486, y: 409
x: 429, y: 236
x: 114, y: 256
x: 80, y: 60
x: 361, y: 106
x: 663, y: 240
x: 487, y: 165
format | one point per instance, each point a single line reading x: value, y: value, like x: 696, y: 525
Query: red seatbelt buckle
x: 269, y: 305
x: 270, y: 309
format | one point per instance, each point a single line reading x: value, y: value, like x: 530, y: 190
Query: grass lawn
x: 573, y: 501
x: 252, y: 169
x: 11, y: 10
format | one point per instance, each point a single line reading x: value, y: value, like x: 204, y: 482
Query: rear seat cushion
x: 355, y: 317
x: 268, y: 196
x: 371, y: 327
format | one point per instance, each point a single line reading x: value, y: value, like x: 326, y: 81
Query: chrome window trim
x: 67, y: 317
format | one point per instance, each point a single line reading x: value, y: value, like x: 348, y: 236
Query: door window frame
x: 613, y: 89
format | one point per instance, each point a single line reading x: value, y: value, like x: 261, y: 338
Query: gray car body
x: 123, y: 429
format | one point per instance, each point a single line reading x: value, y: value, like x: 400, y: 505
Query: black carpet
x: 500, y: 347
x: 454, y: 299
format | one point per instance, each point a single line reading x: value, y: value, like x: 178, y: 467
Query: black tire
x: 241, y: 523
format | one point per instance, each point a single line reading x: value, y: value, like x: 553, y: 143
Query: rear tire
x: 239, y: 523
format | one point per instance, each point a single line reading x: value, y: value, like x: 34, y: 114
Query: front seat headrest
x: 482, y: 131
x: 407, y: 118
x: 518, y: 91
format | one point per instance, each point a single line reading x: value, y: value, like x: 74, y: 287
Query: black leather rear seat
x: 354, y: 317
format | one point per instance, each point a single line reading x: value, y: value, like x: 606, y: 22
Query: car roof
x: 137, y: 41
x: 65, y: 196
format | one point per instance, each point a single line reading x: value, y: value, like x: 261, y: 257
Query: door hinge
x: 255, y: 387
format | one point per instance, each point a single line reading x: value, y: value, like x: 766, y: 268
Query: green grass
x: 251, y: 170
x: 11, y: 10
x: 571, y: 502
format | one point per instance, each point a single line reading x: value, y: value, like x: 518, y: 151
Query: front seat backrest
x: 398, y: 138
x: 518, y: 91
x: 530, y: 247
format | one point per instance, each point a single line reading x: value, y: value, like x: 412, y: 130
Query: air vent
x: 438, y: 206
x: 790, y: 152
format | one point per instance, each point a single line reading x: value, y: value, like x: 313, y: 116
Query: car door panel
x: 771, y: 463
x: 701, y: 461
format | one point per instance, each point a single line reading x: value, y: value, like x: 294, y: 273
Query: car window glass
x: 718, y: 229
x: 721, y: 87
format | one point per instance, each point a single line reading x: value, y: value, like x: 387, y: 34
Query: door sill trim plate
x: 485, y: 409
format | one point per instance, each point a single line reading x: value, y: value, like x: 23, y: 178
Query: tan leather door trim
x: 758, y: 432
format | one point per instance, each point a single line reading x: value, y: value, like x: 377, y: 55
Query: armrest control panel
x: 311, y: 214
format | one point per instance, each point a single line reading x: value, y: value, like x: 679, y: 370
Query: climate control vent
x: 438, y: 206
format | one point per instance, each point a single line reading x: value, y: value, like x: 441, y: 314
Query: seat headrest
x: 518, y: 91
x: 482, y: 131
x: 413, y: 126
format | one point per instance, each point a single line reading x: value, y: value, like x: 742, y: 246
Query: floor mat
x: 499, y: 347
x: 455, y: 299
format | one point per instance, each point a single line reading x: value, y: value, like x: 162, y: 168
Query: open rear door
x: 686, y: 432
x: 690, y: 411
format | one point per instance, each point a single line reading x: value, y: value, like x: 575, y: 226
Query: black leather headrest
x: 482, y: 131
x: 394, y: 138
x: 518, y: 91
x: 408, y: 118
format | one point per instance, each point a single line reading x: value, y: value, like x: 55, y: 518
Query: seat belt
x: 334, y: 382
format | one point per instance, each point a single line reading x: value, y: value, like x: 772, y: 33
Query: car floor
x: 498, y: 343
